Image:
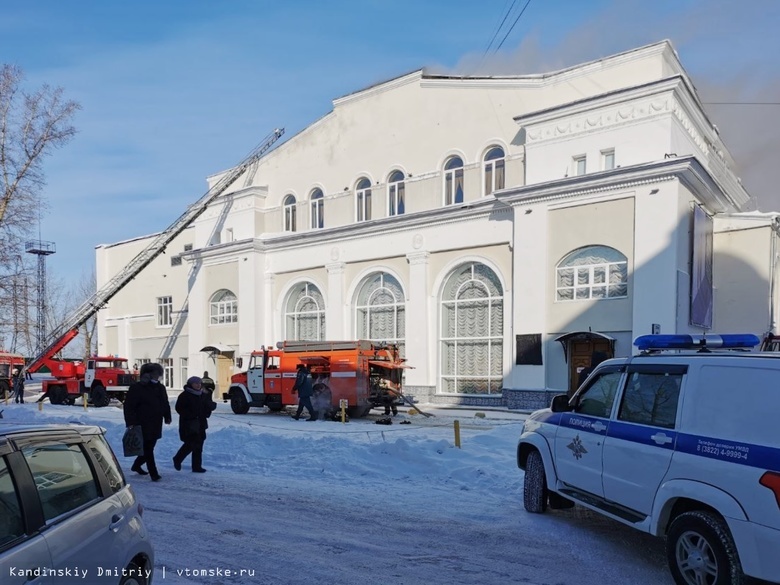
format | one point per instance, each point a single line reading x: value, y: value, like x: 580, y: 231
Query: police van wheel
x: 700, y: 549
x: 238, y: 403
x: 535, y: 484
x: 133, y: 576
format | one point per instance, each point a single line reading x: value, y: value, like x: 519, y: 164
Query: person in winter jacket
x: 303, y: 385
x: 18, y: 386
x: 146, y: 404
x: 208, y: 383
x: 194, y: 406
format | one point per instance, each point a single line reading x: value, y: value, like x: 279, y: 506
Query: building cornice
x: 687, y: 170
x: 540, y: 80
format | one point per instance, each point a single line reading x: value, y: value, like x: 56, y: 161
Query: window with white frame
x: 164, y: 311
x: 396, y: 193
x: 304, y: 316
x: 379, y: 310
x: 608, y: 159
x: 580, y: 164
x: 317, y: 209
x: 493, y: 170
x: 593, y: 272
x: 289, y: 213
x: 167, y: 366
x: 453, y: 180
x: 223, y: 308
x: 363, y: 199
x: 183, y: 368
x: 472, y: 331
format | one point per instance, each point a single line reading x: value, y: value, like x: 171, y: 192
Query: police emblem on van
x: 577, y: 448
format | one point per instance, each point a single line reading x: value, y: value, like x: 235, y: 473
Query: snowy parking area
x: 288, y: 501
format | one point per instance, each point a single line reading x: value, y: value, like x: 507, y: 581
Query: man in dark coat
x: 18, y: 386
x: 303, y: 385
x: 194, y: 406
x: 146, y: 404
x: 208, y: 383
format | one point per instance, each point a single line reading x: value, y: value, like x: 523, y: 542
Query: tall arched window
x: 472, y: 331
x: 305, y: 313
x: 396, y: 193
x: 493, y: 169
x: 289, y: 213
x: 317, y: 209
x: 379, y: 311
x: 592, y: 272
x: 453, y: 181
x: 223, y: 308
x: 363, y: 199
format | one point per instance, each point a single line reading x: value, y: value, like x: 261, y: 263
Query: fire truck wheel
x: 238, y: 403
x: 100, y: 397
x: 58, y: 395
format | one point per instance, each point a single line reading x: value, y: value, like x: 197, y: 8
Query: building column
x: 250, y: 304
x: 335, y: 326
x: 420, y: 352
x: 269, y: 331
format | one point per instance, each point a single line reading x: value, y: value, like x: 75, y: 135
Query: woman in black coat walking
x: 194, y: 406
x: 146, y: 404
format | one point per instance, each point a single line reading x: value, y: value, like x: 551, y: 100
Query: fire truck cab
x: 8, y: 361
x: 364, y: 373
x: 102, y: 377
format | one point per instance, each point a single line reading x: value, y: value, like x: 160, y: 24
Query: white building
x: 500, y: 229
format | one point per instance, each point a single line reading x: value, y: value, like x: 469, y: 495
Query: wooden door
x: 580, y: 353
x: 224, y: 371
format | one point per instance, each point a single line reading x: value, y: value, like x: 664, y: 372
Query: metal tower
x: 41, y: 249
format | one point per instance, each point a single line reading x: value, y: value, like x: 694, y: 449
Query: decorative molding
x: 417, y: 241
x: 418, y: 258
x: 335, y: 268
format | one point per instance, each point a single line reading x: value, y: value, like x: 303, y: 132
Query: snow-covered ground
x: 298, y: 502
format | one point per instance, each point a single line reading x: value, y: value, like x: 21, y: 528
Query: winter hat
x: 194, y: 380
x: 151, y: 369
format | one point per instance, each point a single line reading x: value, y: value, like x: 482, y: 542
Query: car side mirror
x: 560, y: 403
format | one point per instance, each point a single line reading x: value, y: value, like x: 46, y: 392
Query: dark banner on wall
x: 701, y: 270
x: 529, y: 350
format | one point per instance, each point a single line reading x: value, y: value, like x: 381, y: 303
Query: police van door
x: 579, y: 439
x: 641, y: 440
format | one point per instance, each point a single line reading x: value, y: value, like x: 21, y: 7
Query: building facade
x: 499, y: 229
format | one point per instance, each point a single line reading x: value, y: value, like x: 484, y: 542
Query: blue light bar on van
x: 728, y: 341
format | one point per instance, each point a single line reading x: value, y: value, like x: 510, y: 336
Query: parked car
x: 683, y: 445
x: 67, y: 516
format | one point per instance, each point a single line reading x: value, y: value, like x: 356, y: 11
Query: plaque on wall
x: 529, y: 349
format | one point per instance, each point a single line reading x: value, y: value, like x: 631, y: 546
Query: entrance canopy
x: 567, y: 338
x: 218, y: 349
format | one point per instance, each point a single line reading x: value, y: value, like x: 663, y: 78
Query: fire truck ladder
x: 69, y: 329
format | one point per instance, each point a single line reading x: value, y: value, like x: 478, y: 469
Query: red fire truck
x: 364, y: 373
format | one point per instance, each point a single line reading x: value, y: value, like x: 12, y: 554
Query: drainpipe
x: 773, y: 275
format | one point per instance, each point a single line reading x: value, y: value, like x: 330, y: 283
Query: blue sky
x: 172, y: 92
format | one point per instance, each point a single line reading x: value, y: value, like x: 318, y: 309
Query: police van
x: 681, y: 441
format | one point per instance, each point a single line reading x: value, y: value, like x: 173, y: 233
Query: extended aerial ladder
x: 69, y: 329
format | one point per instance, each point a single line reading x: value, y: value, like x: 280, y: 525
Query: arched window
x: 317, y: 209
x: 395, y: 193
x: 289, y: 213
x: 472, y: 331
x: 363, y: 198
x: 493, y: 168
x: 379, y: 311
x: 593, y: 272
x: 453, y: 181
x: 305, y: 313
x: 223, y: 308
